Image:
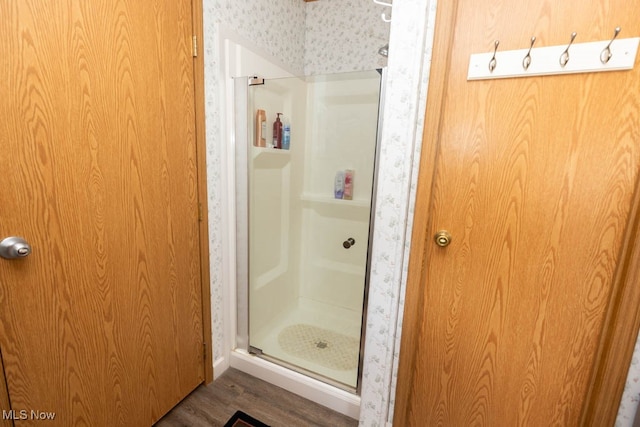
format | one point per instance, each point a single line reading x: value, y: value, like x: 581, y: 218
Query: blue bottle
x: 286, y: 134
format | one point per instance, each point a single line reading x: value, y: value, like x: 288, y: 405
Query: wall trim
x: 220, y: 366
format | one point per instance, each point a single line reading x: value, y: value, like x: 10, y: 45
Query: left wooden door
x: 102, y: 324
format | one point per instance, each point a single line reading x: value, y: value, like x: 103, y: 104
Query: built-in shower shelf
x: 257, y: 151
x: 312, y: 198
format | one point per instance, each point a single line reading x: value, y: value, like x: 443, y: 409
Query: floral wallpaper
x: 276, y: 26
x: 631, y: 394
x: 344, y: 35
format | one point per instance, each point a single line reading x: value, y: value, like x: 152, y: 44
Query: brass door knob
x: 442, y: 238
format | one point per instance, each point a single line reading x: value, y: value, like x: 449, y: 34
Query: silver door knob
x: 14, y: 247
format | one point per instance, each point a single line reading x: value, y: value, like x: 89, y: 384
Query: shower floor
x: 316, y: 337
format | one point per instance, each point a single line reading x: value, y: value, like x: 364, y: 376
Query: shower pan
x: 305, y: 219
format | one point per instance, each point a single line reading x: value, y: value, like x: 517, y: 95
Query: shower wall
x: 303, y: 280
x: 342, y: 136
x: 297, y: 227
x: 274, y: 205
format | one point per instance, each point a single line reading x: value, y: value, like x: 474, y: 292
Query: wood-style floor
x: 214, y: 404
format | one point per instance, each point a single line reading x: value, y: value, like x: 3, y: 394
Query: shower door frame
x: 241, y: 142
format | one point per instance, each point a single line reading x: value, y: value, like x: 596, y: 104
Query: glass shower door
x: 308, y: 219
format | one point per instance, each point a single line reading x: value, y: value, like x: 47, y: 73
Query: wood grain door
x: 102, y: 323
x: 536, y: 180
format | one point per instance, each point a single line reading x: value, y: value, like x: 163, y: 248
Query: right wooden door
x: 535, y: 179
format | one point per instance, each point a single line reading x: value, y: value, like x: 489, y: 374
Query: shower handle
x: 348, y: 243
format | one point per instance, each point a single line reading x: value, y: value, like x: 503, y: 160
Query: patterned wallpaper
x: 631, y: 394
x: 344, y: 35
x: 277, y: 26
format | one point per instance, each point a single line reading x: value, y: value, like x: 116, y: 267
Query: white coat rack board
x: 591, y: 57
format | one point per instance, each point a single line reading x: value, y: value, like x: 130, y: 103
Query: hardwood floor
x: 214, y: 404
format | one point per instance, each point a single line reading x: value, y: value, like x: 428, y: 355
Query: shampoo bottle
x: 348, y: 185
x: 286, y: 133
x: 338, y: 185
x: 261, y: 129
x: 277, y: 132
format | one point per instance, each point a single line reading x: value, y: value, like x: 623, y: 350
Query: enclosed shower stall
x: 304, y: 219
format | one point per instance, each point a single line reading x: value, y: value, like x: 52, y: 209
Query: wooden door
x: 102, y: 323
x: 536, y: 180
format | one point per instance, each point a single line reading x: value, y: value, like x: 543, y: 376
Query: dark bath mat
x: 240, y: 419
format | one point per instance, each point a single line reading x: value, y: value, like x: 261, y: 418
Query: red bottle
x: 277, y: 132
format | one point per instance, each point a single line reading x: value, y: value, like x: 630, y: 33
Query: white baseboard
x: 219, y: 366
x: 333, y: 398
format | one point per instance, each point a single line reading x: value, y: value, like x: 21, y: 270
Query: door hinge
x: 194, y: 46
x: 200, y: 212
x: 204, y: 351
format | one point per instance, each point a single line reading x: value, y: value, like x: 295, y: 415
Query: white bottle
x: 338, y: 185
